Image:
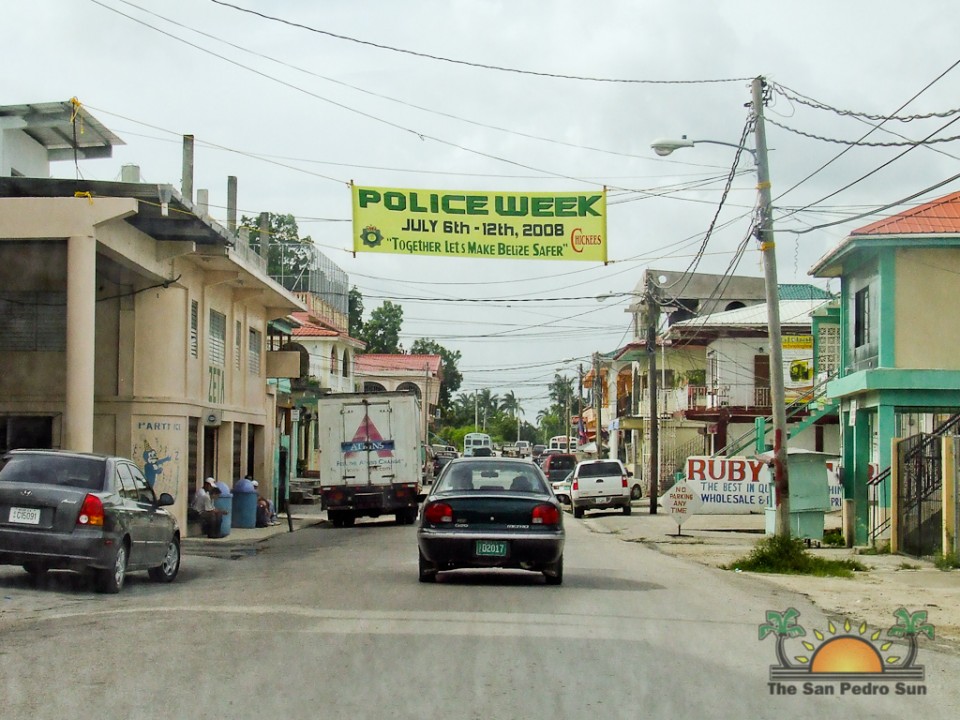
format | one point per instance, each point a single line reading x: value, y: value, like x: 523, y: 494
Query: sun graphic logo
x: 847, y: 659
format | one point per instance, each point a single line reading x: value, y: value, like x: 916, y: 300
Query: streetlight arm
x: 664, y: 147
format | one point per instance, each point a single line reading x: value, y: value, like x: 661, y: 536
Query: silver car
x: 87, y: 513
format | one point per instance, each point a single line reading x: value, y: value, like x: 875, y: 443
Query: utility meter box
x: 809, y: 493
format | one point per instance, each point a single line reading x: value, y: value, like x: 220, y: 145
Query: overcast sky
x: 296, y: 114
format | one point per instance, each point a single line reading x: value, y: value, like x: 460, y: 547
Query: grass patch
x: 947, y: 561
x: 907, y: 566
x: 880, y: 548
x: 833, y: 538
x: 789, y: 557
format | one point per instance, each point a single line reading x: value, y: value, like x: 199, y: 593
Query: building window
x: 194, y: 328
x: 346, y: 364
x: 237, y: 344
x: 253, y: 351
x: 828, y: 350
x: 861, y: 317
x: 218, y: 338
x: 333, y: 361
x: 33, y: 321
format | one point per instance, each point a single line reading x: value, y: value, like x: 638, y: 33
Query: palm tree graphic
x: 909, y: 626
x: 783, y: 625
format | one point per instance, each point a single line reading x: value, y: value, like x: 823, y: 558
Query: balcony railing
x: 698, y: 397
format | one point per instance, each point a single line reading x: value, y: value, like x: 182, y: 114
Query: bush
x: 789, y: 556
x: 833, y: 538
x: 947, y: 561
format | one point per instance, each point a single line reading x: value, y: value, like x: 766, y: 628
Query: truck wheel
x: 627, y: 509
x: 348, y: 519
x: 577, y: 512
x: 636, y: 492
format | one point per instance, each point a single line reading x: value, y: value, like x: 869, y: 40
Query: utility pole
x: 768, y: 253
x: 653, y: 317
x: 579, y: 401
x: 597, y: 403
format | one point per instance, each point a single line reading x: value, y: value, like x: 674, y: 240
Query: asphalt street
x: 332, y: 622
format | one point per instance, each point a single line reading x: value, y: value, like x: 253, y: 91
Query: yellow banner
x: 479, y: 224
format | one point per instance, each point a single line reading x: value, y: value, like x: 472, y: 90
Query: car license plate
x: 27, y: 516
x: 491, y: 548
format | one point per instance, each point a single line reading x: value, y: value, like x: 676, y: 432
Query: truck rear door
x: 368, y: 450
x: 600, y: 479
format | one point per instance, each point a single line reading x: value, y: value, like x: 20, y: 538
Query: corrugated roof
x: 938, y: 216
x: 792, y: 312
x: 378, y: 363
x: 802, y: 291
x: 309, y: 327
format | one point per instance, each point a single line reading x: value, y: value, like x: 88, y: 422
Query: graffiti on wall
x: 157, y: 442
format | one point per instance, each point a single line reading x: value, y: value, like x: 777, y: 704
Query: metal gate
x: 920, y: 495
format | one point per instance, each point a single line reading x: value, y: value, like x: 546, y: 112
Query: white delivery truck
x: 370, y: 462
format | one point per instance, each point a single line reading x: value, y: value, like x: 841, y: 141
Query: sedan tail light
x: 91, y: 512
x: 545, y: 515
x: 438, y: 512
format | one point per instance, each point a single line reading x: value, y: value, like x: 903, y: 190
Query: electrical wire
x: 483, y: 66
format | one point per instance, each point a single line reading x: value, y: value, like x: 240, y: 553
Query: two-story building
x: 900, y: 360
x: 131, y: 323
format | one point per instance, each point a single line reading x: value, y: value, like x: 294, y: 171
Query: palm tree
x: 512, y: 407
x: 909, y: 626
x: 784, y: 626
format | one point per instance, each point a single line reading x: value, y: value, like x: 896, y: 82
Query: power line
x: 483, y: 66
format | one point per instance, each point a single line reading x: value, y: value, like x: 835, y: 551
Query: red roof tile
x: 938, y: 216
x: 375, y: 363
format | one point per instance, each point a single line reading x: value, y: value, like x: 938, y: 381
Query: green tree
x: 381, y: 332
x: 452, y: 377
x: 355, y: 305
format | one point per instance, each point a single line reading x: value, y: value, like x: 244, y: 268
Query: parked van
x: 599, y: 484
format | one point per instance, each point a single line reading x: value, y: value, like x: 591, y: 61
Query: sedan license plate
x: 26, y: 516
x: 491, y: 548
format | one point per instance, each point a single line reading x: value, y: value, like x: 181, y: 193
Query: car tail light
x: 545, y: 515
x: 576, y: 484
x: 438, y: 512
x: 623, y: 481
x: 91, y: 512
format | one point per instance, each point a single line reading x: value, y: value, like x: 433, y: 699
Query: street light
x: 768, y: 253
x: 665, y: 146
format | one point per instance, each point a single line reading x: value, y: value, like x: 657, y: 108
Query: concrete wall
x: 926, y: 299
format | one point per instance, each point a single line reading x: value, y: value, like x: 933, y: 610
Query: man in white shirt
x: 210, y: 516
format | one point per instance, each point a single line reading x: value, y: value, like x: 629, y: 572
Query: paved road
x: 333, y: 623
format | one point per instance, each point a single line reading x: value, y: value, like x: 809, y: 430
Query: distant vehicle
x: 370, y: 455
x: 563, y: 443
x: 84, y: 512
x: 557, y: 465
x: 519, y: 449
x: 491, y: 513
x: 483, y: 452
x: 441, y: 458
x: 561, y: 488
x: 537, y: 451
x: 599, y: 484
x: 474, y: 440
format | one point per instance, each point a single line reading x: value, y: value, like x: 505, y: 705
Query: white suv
x: 599, y: 484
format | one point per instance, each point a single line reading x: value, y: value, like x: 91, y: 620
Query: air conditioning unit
x: 213, y: 418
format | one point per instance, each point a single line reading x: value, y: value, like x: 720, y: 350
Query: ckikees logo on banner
x: 846, y: 660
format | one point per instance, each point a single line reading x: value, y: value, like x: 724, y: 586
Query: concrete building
x: 130, y: 322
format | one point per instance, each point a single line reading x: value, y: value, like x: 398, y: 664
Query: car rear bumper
x: 600, y: 503
x: 449, y: 549
x: 84, y: 548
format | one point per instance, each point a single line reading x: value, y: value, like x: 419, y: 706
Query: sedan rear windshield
x: 563, y: 462
x: 511, y: 477
x: 78, y: 472
x: 600, y: 469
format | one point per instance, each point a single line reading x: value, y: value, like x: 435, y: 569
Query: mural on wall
x: 157, y: 442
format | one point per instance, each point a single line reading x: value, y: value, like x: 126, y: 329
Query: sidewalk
x: 891, y: 581
x: 244, y: 541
